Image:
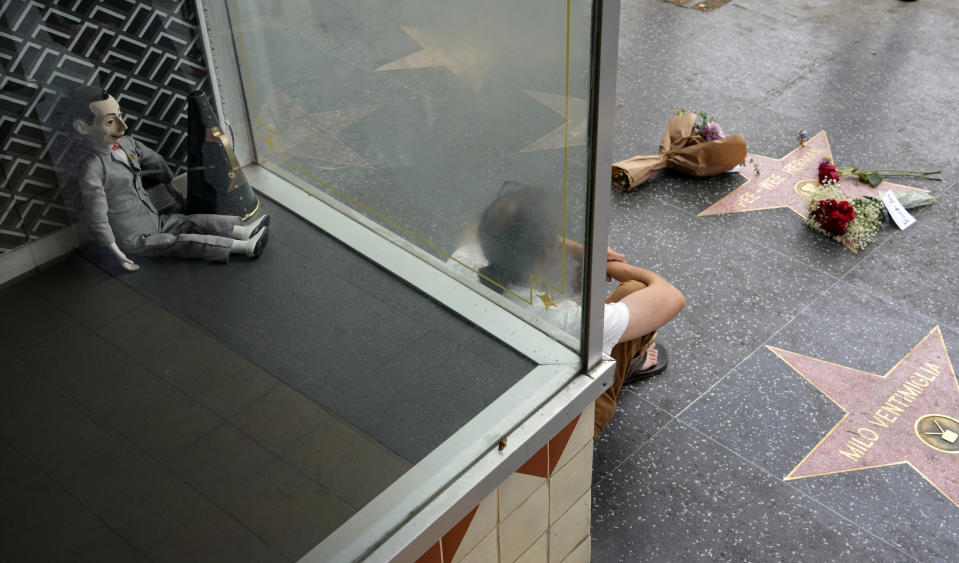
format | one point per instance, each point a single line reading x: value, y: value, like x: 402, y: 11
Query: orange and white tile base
x: 539, y: 514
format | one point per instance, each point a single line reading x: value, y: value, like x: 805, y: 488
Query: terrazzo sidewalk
x: 756, y: 445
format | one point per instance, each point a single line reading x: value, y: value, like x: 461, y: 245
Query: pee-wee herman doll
x: 116, y: 212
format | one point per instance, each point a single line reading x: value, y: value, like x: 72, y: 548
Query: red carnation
x: 834, y: 215
x: 827, y: 171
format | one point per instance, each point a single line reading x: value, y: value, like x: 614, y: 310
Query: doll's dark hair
x: 515, y: 231
x: 77, y: 103
x: 68, y: 150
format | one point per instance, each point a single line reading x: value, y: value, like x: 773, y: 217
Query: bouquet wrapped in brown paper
x: 691, y: 148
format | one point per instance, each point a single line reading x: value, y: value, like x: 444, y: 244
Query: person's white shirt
x: 565, y: 313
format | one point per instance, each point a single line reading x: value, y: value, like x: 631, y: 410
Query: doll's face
x: 107, y: 126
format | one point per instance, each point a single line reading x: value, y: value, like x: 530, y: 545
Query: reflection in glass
x: 516, y: 246
x: 416, y: 114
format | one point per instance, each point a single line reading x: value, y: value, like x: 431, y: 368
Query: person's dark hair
x: 77, y: 104
x: 515, y: 232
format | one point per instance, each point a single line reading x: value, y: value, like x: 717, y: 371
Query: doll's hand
x: 126, y: 263
x: 129, y: 265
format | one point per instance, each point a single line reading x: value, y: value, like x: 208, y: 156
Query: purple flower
x: 712, y: 132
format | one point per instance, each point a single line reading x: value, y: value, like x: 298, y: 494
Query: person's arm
x: 469, y: 235
x: 650, y: 308
x: 576, y: 250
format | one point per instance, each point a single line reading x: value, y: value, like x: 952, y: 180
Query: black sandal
x: 636, y: 374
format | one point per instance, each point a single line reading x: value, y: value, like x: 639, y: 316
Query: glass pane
x: 172, y: 409
x: 419, y: 116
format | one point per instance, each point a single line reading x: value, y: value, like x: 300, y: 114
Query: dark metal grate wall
x: 148, y: 54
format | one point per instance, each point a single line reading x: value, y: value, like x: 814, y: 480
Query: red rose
x: 827, y: 171
x: 834, y: 215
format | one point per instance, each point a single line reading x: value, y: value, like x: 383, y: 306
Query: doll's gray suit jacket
x: 116, y: 207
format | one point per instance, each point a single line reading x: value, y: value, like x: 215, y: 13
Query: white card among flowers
x: 898, y: 213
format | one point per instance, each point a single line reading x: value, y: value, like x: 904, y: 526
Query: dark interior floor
x: 694, y: 464
x: 343, y: 332
x: 236, y: 412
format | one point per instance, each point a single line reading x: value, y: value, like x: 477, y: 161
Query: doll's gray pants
x: 201, y: 237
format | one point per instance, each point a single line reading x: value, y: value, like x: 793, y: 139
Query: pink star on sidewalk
x: 909, y: 415
x: 782, y: 182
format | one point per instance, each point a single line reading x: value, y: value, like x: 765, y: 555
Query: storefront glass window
x: 418, y: 115
x: 175, y: 409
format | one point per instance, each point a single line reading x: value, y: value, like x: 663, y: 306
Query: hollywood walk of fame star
x: 462, y: 55
x: 907, y: 416
x: 294, y: 132
x: 571, y: 133
x: 300, y: 16
x: 786, y: 182
x: 547, y: 299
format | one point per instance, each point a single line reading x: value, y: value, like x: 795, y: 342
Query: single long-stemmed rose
x: 875, y: 177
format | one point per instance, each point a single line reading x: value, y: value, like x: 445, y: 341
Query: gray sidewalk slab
x: 786, y: 416
x: 683, y: 497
